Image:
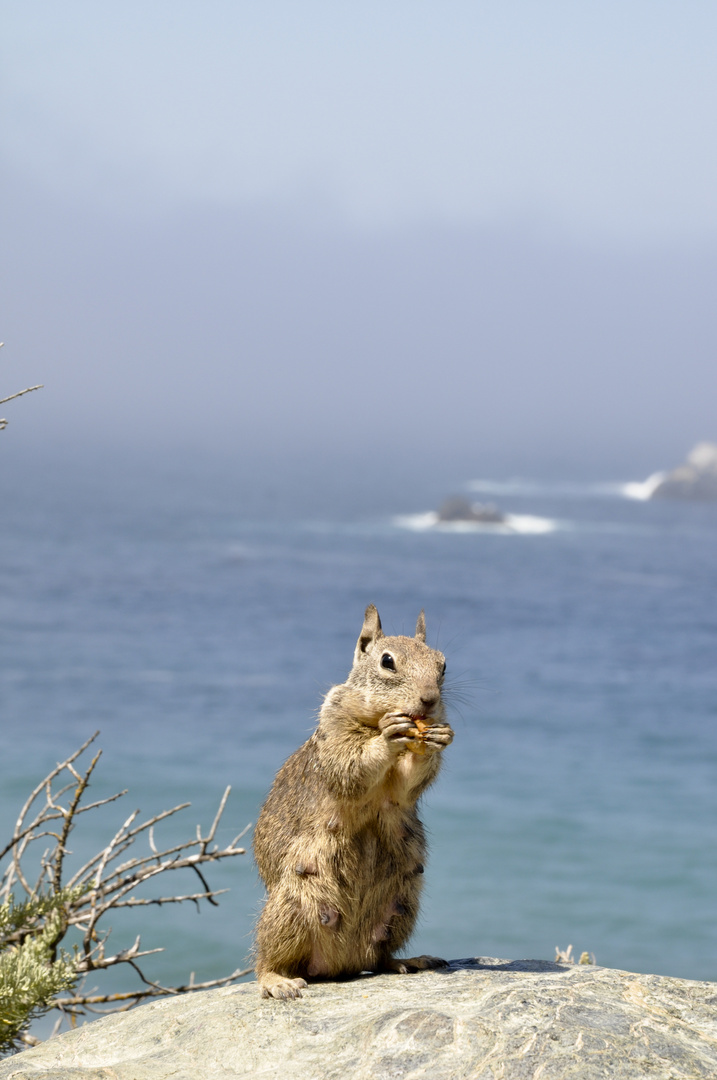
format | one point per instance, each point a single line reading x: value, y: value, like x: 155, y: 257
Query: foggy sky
x: 480, y: 233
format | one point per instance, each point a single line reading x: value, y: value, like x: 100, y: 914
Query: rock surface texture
x: 482, y: 1018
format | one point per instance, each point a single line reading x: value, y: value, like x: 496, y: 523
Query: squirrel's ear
x: 370, y: 631
x: 421, y: 627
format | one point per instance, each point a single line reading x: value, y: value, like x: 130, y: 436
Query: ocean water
x: 197, y: 628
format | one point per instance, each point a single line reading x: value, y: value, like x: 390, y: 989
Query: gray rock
x: 696, y: 479
x: 456, y: 508
x: 482, y: 1018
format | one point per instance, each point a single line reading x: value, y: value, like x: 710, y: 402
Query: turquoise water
x: 197, y: 625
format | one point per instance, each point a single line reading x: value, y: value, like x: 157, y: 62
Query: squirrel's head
x: 397, y: 674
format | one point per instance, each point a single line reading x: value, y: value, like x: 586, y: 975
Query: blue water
x: 197, y: 625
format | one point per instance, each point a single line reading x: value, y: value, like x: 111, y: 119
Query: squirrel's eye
x: 387, y: 661
x: 444, y: 669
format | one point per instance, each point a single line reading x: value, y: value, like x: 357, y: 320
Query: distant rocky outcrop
x: 480, y: 1019
x: 456, y: 508
x: 696, y: 479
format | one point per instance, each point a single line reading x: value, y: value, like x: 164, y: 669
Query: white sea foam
x: 417, y: 522
x: 512, y: 524
x: 529, y: 523
x: 642, y: 489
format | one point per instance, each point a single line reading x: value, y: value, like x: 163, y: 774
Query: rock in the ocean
x: 480, y: 1019
x: 696, y: 479
x: 456, y: 508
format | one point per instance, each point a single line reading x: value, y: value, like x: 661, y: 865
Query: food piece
x: 418, y: 746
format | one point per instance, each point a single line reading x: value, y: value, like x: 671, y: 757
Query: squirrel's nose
x: 429, y: 698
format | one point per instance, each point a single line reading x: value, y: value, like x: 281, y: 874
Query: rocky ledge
x: 479, y: 1018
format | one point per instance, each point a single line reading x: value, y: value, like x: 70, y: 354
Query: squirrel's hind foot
x: 415, y: 963
x: 278, y: 986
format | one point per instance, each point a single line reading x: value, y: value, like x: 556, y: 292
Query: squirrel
x: 339, y: 844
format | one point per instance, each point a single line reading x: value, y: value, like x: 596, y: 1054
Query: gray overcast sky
x: 597, y: 117
x: 494, y: 223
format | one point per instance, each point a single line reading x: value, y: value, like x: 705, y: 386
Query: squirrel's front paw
x: 398, y: 730
x: 438, y: 736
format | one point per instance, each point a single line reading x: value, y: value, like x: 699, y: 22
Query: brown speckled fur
x: 338, y: 843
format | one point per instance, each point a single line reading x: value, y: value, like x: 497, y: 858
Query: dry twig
x: 29, y: 389
x: 105, y: 882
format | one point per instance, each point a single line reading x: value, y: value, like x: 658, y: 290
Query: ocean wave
x: 642, y: 489
x: 512, y: 524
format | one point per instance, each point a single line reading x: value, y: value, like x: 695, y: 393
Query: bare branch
x: 69, y: 816
x: 244, y: 831
x: 21, y: 392
x: 109, y: 880
x: 115, y: 889
x: 124, y: 956
x: 154, y: 991
x: 217, y: 817
x: 101, y: 802
x: 159, y: 900
x: 40, y: 787
x: 209, y: 894
x: 127, y: 839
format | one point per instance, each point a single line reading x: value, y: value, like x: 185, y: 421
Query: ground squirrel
x: 339, y: 844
